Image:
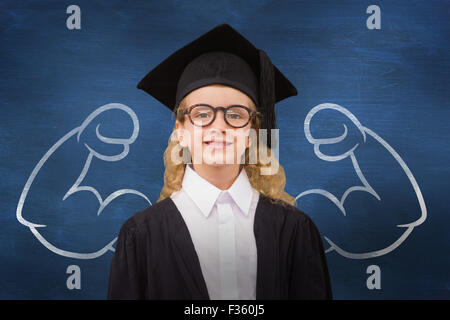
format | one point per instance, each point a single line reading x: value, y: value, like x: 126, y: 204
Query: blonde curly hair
x: 271, y: 186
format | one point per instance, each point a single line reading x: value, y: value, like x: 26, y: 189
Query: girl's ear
x: 249, y: 138
x: 179, y: 131
x: 249, y: 142
x: 178, y: 124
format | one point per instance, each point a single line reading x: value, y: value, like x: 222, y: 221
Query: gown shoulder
x: 298, y: 255
x: 154, y: 214
x: 137, y: 238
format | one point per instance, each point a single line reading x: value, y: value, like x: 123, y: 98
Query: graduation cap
x: 220, y: 56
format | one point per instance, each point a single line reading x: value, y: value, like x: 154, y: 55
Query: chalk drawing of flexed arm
x: 365, y: 185
x: 78, y: 185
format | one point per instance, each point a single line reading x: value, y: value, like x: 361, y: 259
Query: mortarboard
x: 220, y: 56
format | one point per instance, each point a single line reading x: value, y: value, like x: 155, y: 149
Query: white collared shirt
x: 220, y: 223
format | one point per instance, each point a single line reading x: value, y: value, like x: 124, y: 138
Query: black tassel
x: 267, y: 95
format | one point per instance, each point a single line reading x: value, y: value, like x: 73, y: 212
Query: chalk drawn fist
x: 364, y: 215
x: 66, y: 208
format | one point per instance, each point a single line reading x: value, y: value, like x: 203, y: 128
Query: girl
x: 223, y: 226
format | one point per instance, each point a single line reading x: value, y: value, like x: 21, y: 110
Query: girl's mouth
x: 217, y: 144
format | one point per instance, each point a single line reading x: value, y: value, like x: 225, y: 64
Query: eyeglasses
x: 237, y: 116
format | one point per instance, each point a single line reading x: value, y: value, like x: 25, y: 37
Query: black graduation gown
x: 155, y: 257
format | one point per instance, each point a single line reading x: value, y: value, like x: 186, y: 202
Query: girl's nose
x: 219, y: 121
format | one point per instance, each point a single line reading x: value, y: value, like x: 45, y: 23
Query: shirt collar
x: 204, y: 194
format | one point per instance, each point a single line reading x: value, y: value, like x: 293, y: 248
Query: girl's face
x: 218, y: 143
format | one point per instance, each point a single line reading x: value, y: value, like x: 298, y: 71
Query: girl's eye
x: 202, y: 115
x: 234, y: 116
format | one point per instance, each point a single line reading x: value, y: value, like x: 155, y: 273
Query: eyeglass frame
x: 251, y: 113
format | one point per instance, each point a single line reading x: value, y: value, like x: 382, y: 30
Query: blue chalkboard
x: 364, y: 145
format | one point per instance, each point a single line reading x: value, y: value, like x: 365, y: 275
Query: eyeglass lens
x: 235, y: 116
